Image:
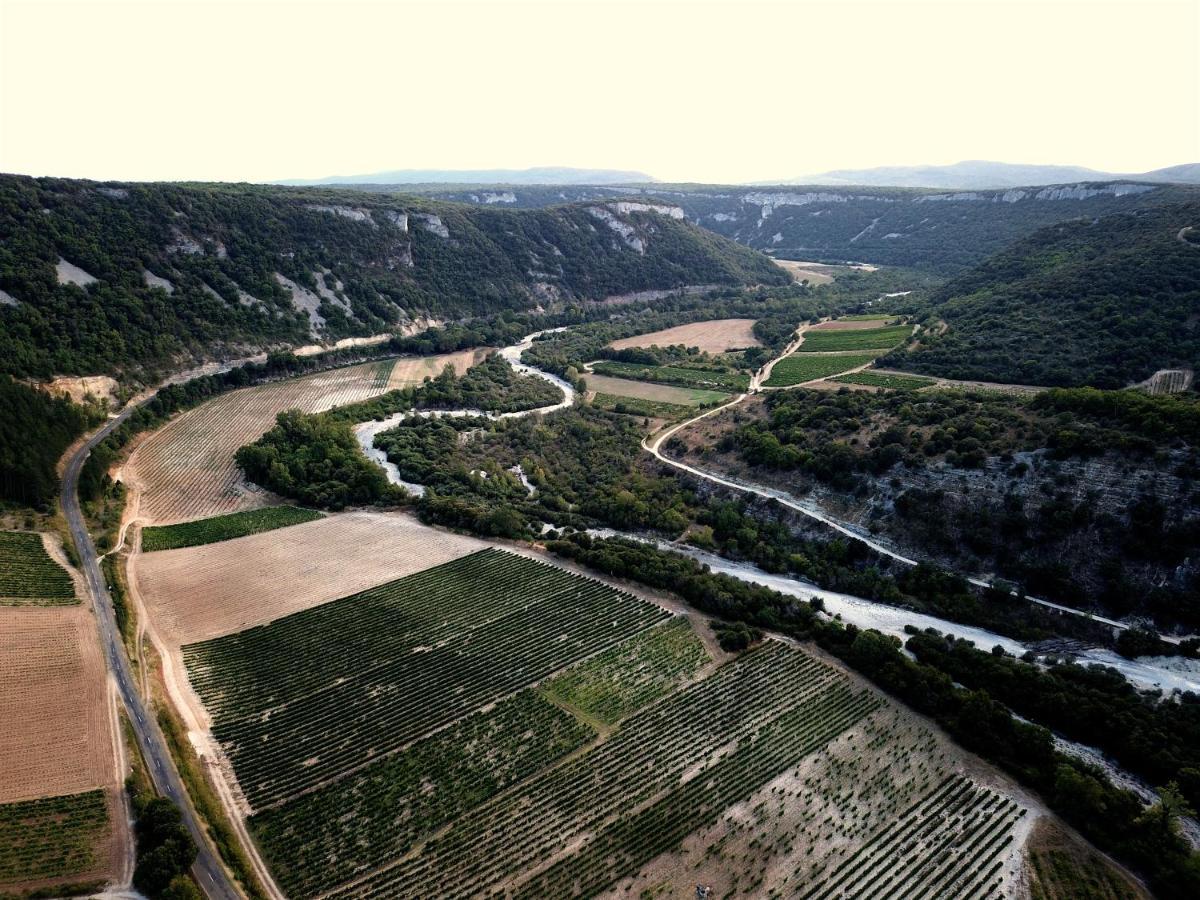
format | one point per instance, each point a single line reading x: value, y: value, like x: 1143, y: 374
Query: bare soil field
x: 804, y: 271
x: 413, y: 371
x: 186, y: 470
x: 57, y: 735
x: 713, y: 336
x: 197, y: 593
x: 646, y: 390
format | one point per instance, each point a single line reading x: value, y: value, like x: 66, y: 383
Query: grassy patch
x: 868, y: 317
x: 28, y: 576
x: 797, y: 368
x: 863, y: 339
x: 53, y: 837
x: 629, y: 676
x: 711, y: 379
x: 223, y: 528
x: 877, y: 379
x: 635, y: 406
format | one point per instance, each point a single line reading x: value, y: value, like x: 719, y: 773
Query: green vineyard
x: 891, y: 382
x: 223, y: 528
x: 28, y: 576
x: 579, y: 826
x: 55, y: 837
x: 314, y: 695
x: 856, y: 339
x: 798, y: 368
x: 395, y: 802
x: 623, y: 679
x: 684, y: 376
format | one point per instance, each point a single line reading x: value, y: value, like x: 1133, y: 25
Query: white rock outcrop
x: 153, y: 280
x: 432, y: 224
x: 69, y: 273
x: 304, y: 300
x: 353, y: 213
x: 627, y: 232
x: 7, y: 299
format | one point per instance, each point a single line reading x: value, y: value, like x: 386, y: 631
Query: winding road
x: 210, y: 874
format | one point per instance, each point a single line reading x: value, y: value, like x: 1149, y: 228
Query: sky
x: 685, y: 91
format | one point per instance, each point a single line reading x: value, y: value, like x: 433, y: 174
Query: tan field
x: 413, y: 371
x: 186, y: 470
x: 713, y: 336
x: 803, y: 271
x: 197, y: 593
x: 57, y: 734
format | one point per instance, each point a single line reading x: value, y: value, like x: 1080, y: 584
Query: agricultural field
x: 713, y: 336
x: 223, y: 528
x: 54, y: 840
x: 854, y: 323
x: 197, y: 593
x: 636, y: 407
x: 186, y: 469
x: 813, y: 273
x: 57, y: 751
x: 800, y: 368
x: 889, y: 381
x: 816, y: 341
x: 624, y: 678
x: 683, y: 376
x: 1062, y: 867
x: 28, y: 574
x: 654, y: 393
x: 411, y: 371
x: 313, y: 696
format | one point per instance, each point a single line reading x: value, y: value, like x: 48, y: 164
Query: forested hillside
x: 109, y: 277
x: 1103, y: 302
x: 940, y: 231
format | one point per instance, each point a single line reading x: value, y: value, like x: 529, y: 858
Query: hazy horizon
x: 715, y: 92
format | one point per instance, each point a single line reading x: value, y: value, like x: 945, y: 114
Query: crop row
x: 858, y: 339
x: 799, y: 368
x: 624, y: 678
x: 689, y: 730
x: 223, y: 528
x: 375, y: 692
x: 945, y: 843
x: 27, y: 573
x: 679, y: 375
x: 51, y: 837
x: 400, y: 799
x: 879, y: 379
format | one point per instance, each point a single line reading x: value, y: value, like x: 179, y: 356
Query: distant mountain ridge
x: 535, y: 175
x: 976, y: 174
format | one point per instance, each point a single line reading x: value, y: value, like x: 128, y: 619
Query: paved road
x: 209, y: 873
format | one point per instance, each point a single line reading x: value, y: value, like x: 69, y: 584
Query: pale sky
x: 685, y: 91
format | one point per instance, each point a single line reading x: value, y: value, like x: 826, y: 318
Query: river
x: 1147, y: 672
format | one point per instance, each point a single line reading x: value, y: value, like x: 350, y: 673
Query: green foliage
x: 854, y: 339
x: 28, y: 576
x: 799, y: 368
x: 317, y: 461
x: 734, y: 637
x: 165, y: 849
x: 636, y: 406
x: 397, y: 801
x: 217, y: 244
x: 223, y: 528
x: 631, y: 675
x: 35, y: 431
x: 53, y: 837
x: 1092, y: 302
